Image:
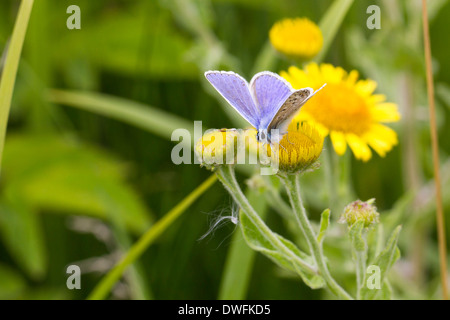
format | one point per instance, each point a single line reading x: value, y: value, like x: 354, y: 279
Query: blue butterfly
x: 268, y: 103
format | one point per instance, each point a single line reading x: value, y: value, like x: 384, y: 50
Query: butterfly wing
x: 290, y: 107
x: 269, y: 91
x: 235, y: 90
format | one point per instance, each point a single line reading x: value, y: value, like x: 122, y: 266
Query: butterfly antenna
x: 319, y: 89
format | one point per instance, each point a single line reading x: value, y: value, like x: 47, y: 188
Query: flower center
x: 340, y: 109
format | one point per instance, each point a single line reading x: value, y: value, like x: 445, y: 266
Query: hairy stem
x: 360, y: 260
x: 293, y: 189
x: 227, y: 177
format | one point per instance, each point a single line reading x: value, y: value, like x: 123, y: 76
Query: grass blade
x: 11, y: 65
x: 330, y: 23
x: 140, y: 115
x: 106, y: 284
x: 440, y: 217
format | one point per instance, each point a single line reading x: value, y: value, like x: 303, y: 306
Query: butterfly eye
x: 262, y: 135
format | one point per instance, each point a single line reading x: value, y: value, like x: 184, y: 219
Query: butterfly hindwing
x: 235, y: 90
x: 289, y: 109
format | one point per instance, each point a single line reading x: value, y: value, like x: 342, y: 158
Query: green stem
x: 277, y: 202
x: 293, y: 188
x: 240, y: 258
x: 360, y: 260
x: 106, y: 284
x: 330, y: 179
x: 8, y: 78
x: 227, y: 177
x: 345, y: 190
x: 337, y: 170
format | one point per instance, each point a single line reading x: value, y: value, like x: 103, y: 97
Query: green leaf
x: 139, y: 115
x: 258, y: 242
x: 255, y: 4
x: 313, y: 281
x: 324, y: 223
x: 149, y: 45
x: 385, y: 260
x: 11, y: 283
x: 22, y: 234
x: 386, y: 291
x: 71, y: 178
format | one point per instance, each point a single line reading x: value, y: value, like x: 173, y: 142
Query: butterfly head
x: 269, y: 136
x: 263, y: 136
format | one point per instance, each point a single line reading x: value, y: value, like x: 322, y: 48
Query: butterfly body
x: 268, y: 102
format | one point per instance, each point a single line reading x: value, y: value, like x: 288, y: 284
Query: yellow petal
x: 377, y: 98
x: 331, y: 74
x: 384, y: 133
x: 339, y: 143
x: 321, y: 128
x: 381, y: 147
x: 296, y: 77
x: 359, y: 147
x: 352, y: 77
x: 366, y: 87
x: 386, y: 112
x: 314, y: 74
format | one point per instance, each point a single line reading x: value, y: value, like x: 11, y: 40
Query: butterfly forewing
x: 235, y: 90
x: 269, y: 91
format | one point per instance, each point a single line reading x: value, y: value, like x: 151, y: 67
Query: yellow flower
x: 298, y: 149
x: 217, y: 147
x: 346, y: 109
x: 298, y: 38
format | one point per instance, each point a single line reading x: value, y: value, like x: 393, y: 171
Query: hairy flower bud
x: 217, y: 147
x: 360, y: 210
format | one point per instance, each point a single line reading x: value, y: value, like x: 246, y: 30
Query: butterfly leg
x: 287, y: 137
x: 283, y: 148
x: 279, y: 144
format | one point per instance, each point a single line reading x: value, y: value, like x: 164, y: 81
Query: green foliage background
x: 78, y: 187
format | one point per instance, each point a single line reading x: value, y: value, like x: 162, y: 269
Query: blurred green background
x: 78, y: 187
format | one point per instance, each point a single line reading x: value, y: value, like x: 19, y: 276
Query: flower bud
x: 360, y: 210
x: 300, y: 148
x: 217, y: 147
